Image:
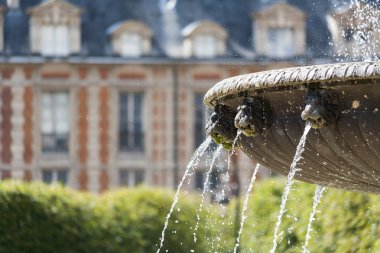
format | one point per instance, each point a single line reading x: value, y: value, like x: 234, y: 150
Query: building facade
x: 108, y: 93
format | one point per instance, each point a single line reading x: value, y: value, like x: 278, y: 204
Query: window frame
x: 55, y: 175
x: 131, y: 180
x: 46, y: 150
x: 142, y: 149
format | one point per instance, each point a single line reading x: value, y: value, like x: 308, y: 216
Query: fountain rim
x: 325, y: 75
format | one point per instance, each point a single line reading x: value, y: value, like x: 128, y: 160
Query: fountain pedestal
x: 341, y: 101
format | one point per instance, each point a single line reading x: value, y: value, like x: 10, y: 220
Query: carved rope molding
x: 293, y: 77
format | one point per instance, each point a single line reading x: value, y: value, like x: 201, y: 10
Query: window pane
x: 124, y: 177
x: 280, y: 42
x: 46, y: 114
x: 131, y: 44
x: 200, y: 119
x: 61, y: 113
x: 123, y: 121
x: 139, y: 177
x: 61, y: 40
x: 62, y: 176
x: 131, y: 128
x: 47, y: 176
x: 205, y: 46
x: 199, y: 180
x: 137, y: 124
x: 54, y: 121
x: 47, y: 40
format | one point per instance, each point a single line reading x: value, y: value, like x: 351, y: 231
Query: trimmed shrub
x: 40, y: 218
x: 345, y: 221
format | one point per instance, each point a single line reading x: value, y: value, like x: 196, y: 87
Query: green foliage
x: 346, y: 221
x: 41, y: 218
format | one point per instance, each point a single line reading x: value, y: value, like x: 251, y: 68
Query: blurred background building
x: 98, y: 94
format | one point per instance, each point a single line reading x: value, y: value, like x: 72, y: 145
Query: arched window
x: 279, y: 31
x: 130, y: 38
x: 204, y: 39
x: 55, y: 28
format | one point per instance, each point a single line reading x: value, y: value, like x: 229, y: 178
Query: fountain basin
x: 270, y: 109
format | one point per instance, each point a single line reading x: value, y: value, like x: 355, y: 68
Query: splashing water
x: 317, y: 198
x: 355, y: 31
x: 205, y: 188
x: 192, y: 164
x: 289, y: 182
x: 245, y: 206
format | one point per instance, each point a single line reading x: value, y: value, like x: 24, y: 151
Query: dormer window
x: 279, y: 31
x: 55, y: 28
x: 130, y: 38
x: 55, y: 40
x: 355, y: 31
x: 280, y: 42
x: 204, y: 39
x: 205, y: 46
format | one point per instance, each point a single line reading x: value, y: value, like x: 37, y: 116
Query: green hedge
x: 346, y: 221
x: 40, y: 218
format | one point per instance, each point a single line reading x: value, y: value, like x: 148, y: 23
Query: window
x: 279, y: 31
x: 55, y: 28
x: 55, y: 40
x: 205, y: 46
x: 204, y: 39
x: 130, y: 38
x: 200, y: 119
x: 199, y: 180
x: 5, y: 174
x: 131, y: 44
x: 280, y: 42
x: 131, y: 178
x: 50, y: 176
x: 54, y: 121
x: 131, y: 127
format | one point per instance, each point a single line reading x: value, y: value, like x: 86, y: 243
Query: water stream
x: 245, y: 206
x: 205, y: 188
x: 289, y: 182
x: 317, y: 198
x: 192, y: 164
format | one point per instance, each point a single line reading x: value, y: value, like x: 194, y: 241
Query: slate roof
x: 233, y: 15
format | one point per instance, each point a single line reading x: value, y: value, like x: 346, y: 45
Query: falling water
x: 205, y: 187
x: 245, y: 206
x: 317, y: 197
x: 289, y: 182
x: 192, y: 164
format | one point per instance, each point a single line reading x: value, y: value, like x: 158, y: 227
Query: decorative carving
x: 322, y: 107
x: 254, y: 116
x: 221, y: 126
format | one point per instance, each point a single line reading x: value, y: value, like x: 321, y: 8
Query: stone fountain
x: 266, y: 113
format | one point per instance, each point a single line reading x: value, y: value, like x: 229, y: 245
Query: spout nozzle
x: 322, y: 108
x: 253, y: 117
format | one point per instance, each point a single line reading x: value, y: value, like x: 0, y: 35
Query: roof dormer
x: 130, y: 38
x: 55, y: 28
x: 279, y: 31
x: 204, y: 39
